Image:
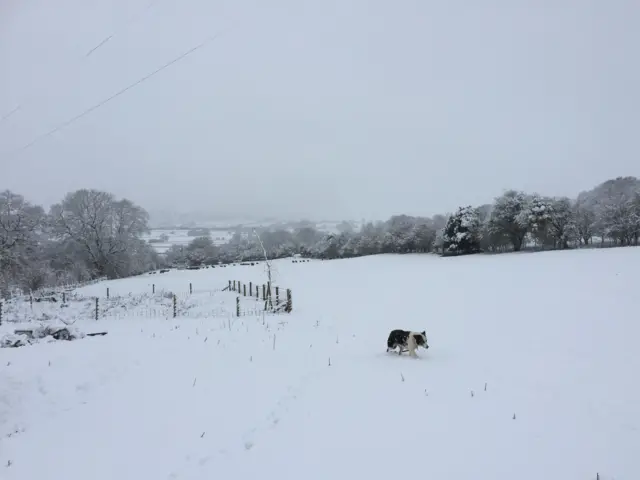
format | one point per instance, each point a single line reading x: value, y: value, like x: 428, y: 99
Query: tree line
x: 608, y: 214
x: 89, y: 234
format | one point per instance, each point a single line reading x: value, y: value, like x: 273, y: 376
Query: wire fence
x: 70, y: 306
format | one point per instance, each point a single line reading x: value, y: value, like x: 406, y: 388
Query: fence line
x: 57, y: 289
x: 167, y: 313
x: 178, y: 304
x: 267, y: 295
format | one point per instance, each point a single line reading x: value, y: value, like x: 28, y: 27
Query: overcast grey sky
x: 325, y: 108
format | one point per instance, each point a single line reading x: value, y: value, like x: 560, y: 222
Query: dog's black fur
x: 400, y: 338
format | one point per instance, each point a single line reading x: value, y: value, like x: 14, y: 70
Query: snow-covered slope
x: 531, y: 374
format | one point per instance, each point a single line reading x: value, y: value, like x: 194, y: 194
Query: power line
x: 99, y: 45
x: 131, y: 20
x: 114, y: 96
x: 9, y: 114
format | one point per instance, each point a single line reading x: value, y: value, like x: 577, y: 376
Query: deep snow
x: 553, y: 336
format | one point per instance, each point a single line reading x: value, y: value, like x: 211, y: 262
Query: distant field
x: 180, y: 237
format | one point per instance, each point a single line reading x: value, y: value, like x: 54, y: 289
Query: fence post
x: 107, y: 293
x: 153, y: 288
x: 234, y: 285
x: 97, y: 307
x: 64, y: 297
x: 175, y: 306
x: 289, y: 301
x: 237, y: 306
x: 257, y: 293
x: 244, y: 289
x: 190, y: 288
x: 251, y: 289
x: 31, y: 301
x: 1, y: 303
x: 277, y: 296
x: 229, y: 285
x: 264, y: 291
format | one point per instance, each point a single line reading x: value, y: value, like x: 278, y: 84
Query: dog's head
x: 421, y: 339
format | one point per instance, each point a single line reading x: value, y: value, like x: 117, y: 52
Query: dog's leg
x: 411, y: 345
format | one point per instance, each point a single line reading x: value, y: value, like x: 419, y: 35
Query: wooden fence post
x: 153, y: 288
x: 269, y: 298
x: 31, y: 301
x: 107, y: 293
x: 289, y: 301
x: 257, y: 293
x: 64, y: 297
x: 175, y: 306
x: 264, y: 291
x: 234, y: 285
x: 277, y: 296
x: 244, y: 290
x: 237, y: 306
x: 229, y: 285
x: 190, y: 288
x: 251, y: 289
x: 97, y: 308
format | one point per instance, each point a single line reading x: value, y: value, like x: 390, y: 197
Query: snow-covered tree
x: 561, y: 222
x: 438, y: 240
x: 305, y: 237
x: 463, y: 232
x: 506, y: 218
x: 535, y: 217
x: 617, y: 219
x: 584, y: 217
x: 635, y: 221
x: 398, y: 236
x: 612, y: 204
x: 371, y: 237
x: 201, y: 251
x: 422, y: 236
x: 176, y: 255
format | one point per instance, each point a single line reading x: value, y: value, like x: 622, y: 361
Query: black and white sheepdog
x: 406, y: 341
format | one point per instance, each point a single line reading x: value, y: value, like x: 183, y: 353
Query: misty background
x: 337, y: 109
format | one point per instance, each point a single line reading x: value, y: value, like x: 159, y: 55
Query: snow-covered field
x: 531, y: 373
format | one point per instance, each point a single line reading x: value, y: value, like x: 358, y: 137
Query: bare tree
x: 268, y: 264
x: 104, y: 228
x: 20, y: 221
x: 21, y: 227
